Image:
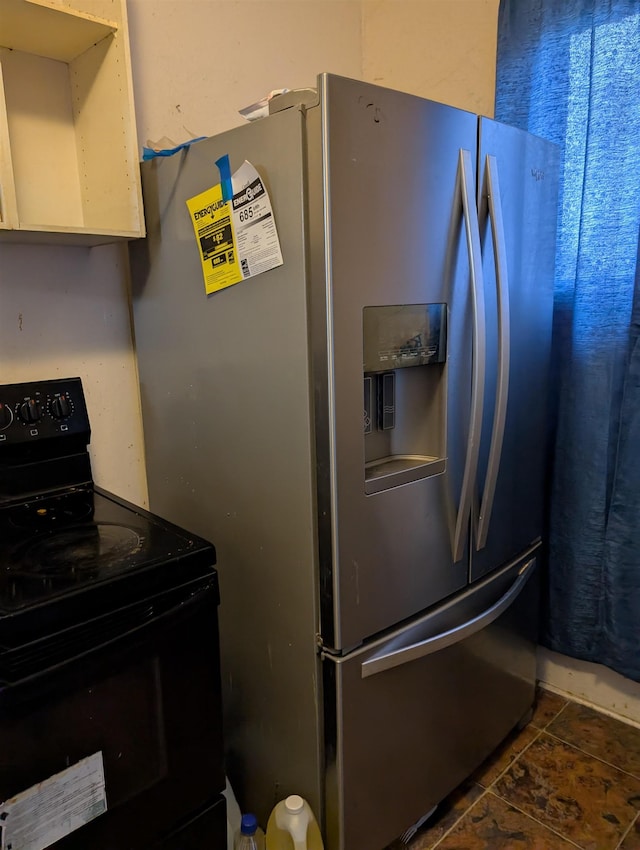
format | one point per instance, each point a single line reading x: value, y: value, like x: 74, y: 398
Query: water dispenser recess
x: 404, y: 357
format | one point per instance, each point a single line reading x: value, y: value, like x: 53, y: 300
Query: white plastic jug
x: 292, y: 826
x: 233, y: 813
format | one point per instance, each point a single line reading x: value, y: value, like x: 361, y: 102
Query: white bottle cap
x: 294, y: 804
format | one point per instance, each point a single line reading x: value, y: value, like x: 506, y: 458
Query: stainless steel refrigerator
x: 361, y: 432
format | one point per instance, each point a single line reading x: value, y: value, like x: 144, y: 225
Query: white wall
x: 196, y: 62
x: 591, y: 684
x: 441, y: 49
x: 64, y: 313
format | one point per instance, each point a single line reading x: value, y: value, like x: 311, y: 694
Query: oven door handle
x: 184, y: 607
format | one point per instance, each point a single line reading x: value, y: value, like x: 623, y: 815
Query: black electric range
x: 108, y: 640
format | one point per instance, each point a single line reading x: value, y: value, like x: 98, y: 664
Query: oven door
x: 139, y: 691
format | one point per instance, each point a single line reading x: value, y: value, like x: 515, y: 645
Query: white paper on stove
x: 45, y: 813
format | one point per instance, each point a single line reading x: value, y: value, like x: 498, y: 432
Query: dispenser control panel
x: 404, y: 335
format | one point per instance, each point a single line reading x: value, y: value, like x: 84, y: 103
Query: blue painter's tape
x: 225, y: 177
x: 149, y: 153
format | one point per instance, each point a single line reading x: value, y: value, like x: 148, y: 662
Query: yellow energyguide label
x: 237, y: 239
x: 213, y: 226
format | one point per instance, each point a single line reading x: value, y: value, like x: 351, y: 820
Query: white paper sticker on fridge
x: 46, y: 812
x: 237, y: 238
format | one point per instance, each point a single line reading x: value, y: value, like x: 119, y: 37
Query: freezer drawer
x: 413, y: 714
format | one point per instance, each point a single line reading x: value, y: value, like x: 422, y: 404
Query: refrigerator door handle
x: 403, y: 655
x: 465, y: 187
x: 492, y: 189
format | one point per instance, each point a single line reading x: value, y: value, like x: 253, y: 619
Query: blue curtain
x: 569, y: 70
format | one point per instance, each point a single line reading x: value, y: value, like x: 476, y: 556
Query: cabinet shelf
x: 50, y: 30
x: 69, y: 169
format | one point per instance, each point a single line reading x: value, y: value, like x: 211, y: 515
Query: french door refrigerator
x: 361, y: 432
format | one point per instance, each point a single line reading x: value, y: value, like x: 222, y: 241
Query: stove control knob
x: 6, y: 416
x: 61, y: 407
x: 29, y: 411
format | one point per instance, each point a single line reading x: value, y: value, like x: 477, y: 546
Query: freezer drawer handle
x: 492, y: 194
x: 465, y: 183
x: 397, y: 657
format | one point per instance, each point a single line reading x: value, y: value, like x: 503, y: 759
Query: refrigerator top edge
x: 310, y: 97
x: 485, y: 122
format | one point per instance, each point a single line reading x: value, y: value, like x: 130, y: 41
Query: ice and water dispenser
x: 405, y: 349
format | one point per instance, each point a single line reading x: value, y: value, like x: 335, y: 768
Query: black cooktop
x: 60, y: 544
x: 69, y: 550
x: 83, y: 552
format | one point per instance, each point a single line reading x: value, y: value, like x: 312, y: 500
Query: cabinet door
x: 8, y: 209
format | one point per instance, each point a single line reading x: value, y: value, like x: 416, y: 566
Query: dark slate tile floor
x: 570, y: 779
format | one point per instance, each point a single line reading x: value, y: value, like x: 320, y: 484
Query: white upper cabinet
x: 69, y: 170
